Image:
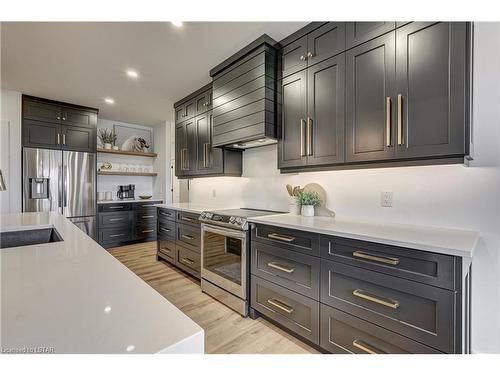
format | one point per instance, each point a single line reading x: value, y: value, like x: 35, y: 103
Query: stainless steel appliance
x: 126, y: 191
x: 225, y: 252
x: 63, y: 181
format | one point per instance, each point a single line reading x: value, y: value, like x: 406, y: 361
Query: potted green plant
x: 308, y: 200
x: 107, y: 137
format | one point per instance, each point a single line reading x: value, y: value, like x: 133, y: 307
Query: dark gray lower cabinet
x: 120, y: 223
x: 356, y: 296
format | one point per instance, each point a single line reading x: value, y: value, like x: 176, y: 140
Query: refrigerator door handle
x: 65, y: 191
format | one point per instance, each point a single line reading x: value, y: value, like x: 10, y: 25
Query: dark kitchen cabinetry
x: 50, y: 124
x: 312, y: 127
x: 194, y: 154
x: 123, y: 223
x: 405, y: 91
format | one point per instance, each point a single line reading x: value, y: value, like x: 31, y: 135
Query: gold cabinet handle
x: 388, y: 133
x: 280, y: 267
x: 120, y: 207
x: 165, y: 229
x: 187, y: 237
x: 64, y: 139
x: 148, y: 231
x: 309, y: 136
x: 117, y: 219
x: 400, y: 120
x: 58, y: 138
x: 280, y: 305
x: 165, y: 250
x: 166, y: 213
x: 310, y: 54
x: 376, y: 299
x: 366, y: 348
x: 302, y: 58
x: 186, y: 218
x: 280, y: 237
x: 375, y: 258
x: 117, y: 235
x: 187, y: 261
x: 302, y: 136
x: 147, y: 216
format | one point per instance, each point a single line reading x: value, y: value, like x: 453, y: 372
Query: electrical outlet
x: 386, y: 199
x: 214, y: 193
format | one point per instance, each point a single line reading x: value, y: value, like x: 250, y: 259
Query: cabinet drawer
x: 188, y: 260
x: 115, y: 207
x: 166, y: 229
x: 188, y: 236
x: 304, y: 242
x: 292, y: 310
x: 146, y: 205
x: 421, y: 266
x: 344, y: 333
x: 188, y: 218
x: 145, y: 216
x: 418, y: 311
x: 114, y: 235
x: 114, y: 219
x: 292, y: 270
x: 146, y: 232
x: 166, y: 249
x: 166, y: 214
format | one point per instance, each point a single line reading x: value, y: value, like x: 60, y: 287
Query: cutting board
x: 320, y: 210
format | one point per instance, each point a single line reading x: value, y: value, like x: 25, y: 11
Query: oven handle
x: 223, y: 231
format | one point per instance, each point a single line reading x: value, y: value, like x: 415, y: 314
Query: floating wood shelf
x: 104, y: 173
x: 130, y: 153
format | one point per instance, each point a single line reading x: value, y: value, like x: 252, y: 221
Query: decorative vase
x: 294, y: 206
x: 107, y: 146
x: 115, y: 148
x: 307, y: 210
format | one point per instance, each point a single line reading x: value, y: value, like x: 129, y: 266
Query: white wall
x: 10, y: 150
x: 452, y: 196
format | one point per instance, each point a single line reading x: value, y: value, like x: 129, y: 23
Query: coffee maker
x: 126, y: 191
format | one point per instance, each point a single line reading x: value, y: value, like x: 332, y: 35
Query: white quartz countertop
x: 75, y: 297
x: 131, y: 201
x: 438, y: 240
x: 196, y: 208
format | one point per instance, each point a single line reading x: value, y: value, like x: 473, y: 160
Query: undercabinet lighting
x: 177, y: 23
x: 132, y: 74
x: 109, y: 100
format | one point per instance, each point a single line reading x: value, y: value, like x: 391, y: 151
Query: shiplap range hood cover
x: 244, y: 97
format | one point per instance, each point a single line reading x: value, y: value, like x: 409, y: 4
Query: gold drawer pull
x: 165, y: 229
x: 186, y: 218
x: 280, y: 237
x: 187, y: 237
x: 280, y: 305
x: 166, y: 213
x: 165, y: 250
x: 375, y: 258
x: 187, y: 261
x: 117, y: 235
x: 373, y: 298
x: 366, y: 348
x: 117, y: 219
x: 147, y: 216
x: 148, y: 231
x: 280, y: 267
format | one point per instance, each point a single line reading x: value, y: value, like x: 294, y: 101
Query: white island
x: 72, y: 296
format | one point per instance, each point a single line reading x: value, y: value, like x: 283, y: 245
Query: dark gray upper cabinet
x: 325, y: 109
x: 361, y: 32
x: 191, y: 153
x: 292, y: 143
x: 50, y: 124
x: 185, y: 111
x: 322, y: 43
x: 209, y: 158
x: 203, y: 102
x: 180, y: 150
x: 370, y: 80
x: 431, y: 89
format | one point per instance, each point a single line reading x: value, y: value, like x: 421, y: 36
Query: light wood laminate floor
x: 225, y: 330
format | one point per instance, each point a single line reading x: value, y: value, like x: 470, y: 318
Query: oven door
x: 224, y: 258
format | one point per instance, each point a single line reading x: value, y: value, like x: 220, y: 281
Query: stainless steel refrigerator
x: 64, y: 181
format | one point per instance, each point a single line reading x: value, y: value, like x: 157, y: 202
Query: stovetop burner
x: 234, y: 218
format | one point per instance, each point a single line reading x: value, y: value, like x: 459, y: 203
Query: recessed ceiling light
x: 132, y: 74
x: 109, y: 100
x: 177, y: 23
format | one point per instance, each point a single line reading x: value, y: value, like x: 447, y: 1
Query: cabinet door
x: 191, y: 157
x: 431, y: 88
x: 41, y: 134
x: 325, y: 42
x: 203, y: 102
x: 185, y: 111
x: 204, y: 143
x: 215, y: 154
x: 78, y: 138
x: 291, y: 146
x: 370, y: 79
x: 325, y: 109
x: 78, y: 117
x: 180, y: 150
x: 360, y: 32
x: 294, y: 56
x: 40, y: 111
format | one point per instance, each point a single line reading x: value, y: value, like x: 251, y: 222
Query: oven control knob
x: 232, y: 220
x: 203, y: 215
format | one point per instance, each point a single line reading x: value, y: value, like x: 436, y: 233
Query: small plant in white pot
x: 308, y: 200
x: 107, y: 137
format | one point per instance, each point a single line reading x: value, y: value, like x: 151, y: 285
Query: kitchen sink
x: 28, y: 237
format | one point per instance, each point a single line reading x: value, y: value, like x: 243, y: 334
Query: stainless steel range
x: 225, y: 252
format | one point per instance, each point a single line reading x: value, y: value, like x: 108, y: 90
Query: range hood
x: 244, y: 97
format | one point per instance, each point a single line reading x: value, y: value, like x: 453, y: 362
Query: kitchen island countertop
x: 74, y: 297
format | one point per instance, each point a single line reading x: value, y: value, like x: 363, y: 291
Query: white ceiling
x: 85, y: 62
